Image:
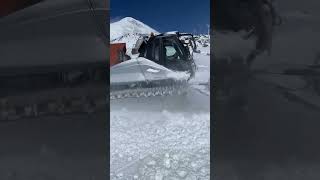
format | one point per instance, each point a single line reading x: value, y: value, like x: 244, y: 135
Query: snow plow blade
x: 143, y: 78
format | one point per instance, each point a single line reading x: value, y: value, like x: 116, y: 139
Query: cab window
x: 172, y: 51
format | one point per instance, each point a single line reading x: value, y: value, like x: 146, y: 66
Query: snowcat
x: 53, y: 57
x: 159, y: 65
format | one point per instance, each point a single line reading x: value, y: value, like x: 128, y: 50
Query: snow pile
x: 202, y: 74
x: 203, y: 40
x: 203, y: 43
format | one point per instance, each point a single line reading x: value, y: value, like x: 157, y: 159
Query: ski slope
x: 163, y: 137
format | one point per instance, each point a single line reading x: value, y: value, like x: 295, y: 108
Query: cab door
x: 156, y: 54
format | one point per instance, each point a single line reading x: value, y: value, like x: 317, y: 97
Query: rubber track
x: 149, y: 92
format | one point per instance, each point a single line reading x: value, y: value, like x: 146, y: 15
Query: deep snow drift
x: 163, y: 137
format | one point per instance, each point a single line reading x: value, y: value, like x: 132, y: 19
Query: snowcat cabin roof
x: 165, y: 35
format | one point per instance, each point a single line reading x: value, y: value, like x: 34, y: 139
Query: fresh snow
x: 152, y: 70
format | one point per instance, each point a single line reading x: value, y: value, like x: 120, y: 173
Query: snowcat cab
x: 169, y: 51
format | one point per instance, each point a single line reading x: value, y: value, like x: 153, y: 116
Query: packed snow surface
x: 161, y: 137
x: 158, y: 138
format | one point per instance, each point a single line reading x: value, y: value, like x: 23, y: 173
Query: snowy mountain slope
x: 128, y: 30
x: 128, y: 26
x: 129, y: 39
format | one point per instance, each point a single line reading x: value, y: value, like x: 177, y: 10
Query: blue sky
x: 166, y: 15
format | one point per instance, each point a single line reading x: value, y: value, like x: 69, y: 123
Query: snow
x: 152, y: 70
x: 128, y: 30
x: 160, y: 137
x: 163, y: 137
x: 129, y: 25
x: 129, y: 39
x: 178, y: 75
x: 171, y: 32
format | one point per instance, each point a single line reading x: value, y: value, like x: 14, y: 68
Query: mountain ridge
x: 127, y: 26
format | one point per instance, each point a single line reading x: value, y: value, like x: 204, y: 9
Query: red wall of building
x: 115, y: 50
